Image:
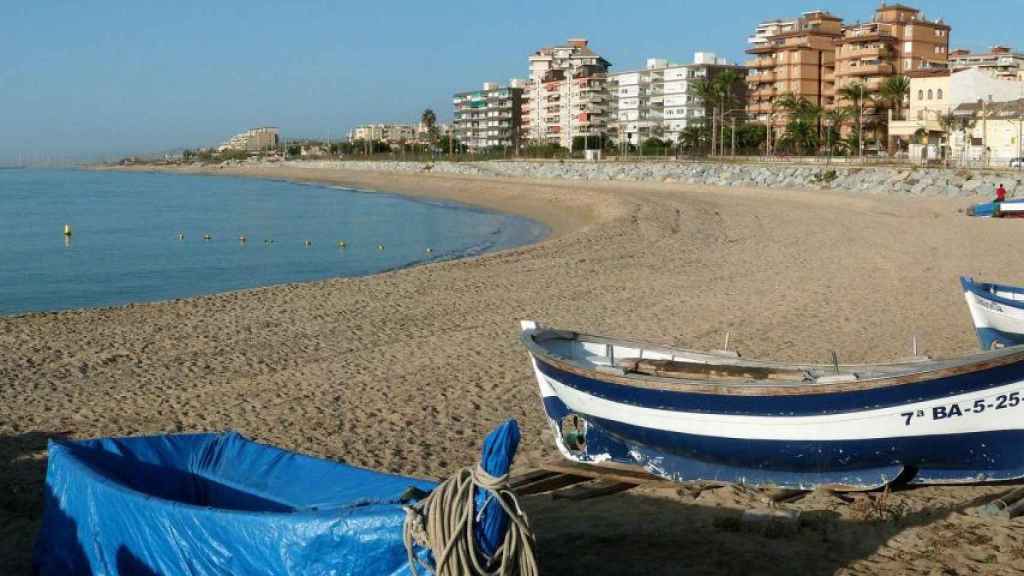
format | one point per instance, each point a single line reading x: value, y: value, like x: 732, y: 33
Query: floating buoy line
x: 243, y: 239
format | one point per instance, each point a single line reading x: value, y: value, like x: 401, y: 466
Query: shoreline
x: 405, y: 371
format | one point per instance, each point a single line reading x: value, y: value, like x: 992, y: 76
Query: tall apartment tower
x: 898, y: 40
x: 490, y: 117
x: 659, y: 101
x: 792, y: 57
x: 566, y: 95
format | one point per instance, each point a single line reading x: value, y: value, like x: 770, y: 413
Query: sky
x: 99, y: 79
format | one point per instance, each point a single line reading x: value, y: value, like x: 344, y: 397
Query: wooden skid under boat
x: 689, y: 416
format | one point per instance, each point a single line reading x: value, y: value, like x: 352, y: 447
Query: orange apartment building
x: 815, y: 56
x: 794, y: 57
x: 897, y: 41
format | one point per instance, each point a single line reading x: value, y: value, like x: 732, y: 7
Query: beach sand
x: 407, y: 371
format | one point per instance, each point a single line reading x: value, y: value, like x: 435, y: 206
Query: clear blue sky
x: 90, y: 78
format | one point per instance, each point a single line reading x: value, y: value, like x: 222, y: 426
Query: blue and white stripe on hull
x: 997, y: 312
x: 936, y: 437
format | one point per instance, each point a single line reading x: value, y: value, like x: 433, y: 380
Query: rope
x: 443, y: 522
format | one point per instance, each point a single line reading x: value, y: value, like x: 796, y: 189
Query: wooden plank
x: 618, y: 473
x: 593, y: 489
x: 529, y: 477
x: 555, y: 482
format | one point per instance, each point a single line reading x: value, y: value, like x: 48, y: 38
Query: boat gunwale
x: 70, y: 445
x: 979, y: 290
x: 943, y: 369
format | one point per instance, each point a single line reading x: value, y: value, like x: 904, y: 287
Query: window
x: 920, y: 114
x: 920, y: 94
x: 939, y: 95
x: 929, y: 94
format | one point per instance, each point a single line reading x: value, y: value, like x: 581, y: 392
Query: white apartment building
x: 1000, y: 61
x: 254, y: 140
x: 387, y: 133
x: 566, y: 95
x: 658, y: 101
x: 490, y: 117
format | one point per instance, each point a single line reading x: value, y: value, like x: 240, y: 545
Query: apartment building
x: 254, y: 140
x: 796, y: 58
x: 566, y: 95
x: 490, y: 117
x: 659, y: 100
x: 387, y: 133
x: 1000, y: 61
x: 765, y: 30
x: 897, y: 41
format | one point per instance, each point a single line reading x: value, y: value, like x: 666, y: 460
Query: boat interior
x: 624, y: 358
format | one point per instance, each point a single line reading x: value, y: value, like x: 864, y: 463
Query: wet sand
x: 406, y: 371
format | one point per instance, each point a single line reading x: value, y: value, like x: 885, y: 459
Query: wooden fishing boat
x: 997, y: 311
x: 714, y: 417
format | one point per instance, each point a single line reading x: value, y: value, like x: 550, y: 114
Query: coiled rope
x: 443, y: 522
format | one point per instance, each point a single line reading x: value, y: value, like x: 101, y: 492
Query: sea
x: 144, y: 237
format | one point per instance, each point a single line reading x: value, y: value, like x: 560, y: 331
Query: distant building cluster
x: 571, y: 98
x: 393, y: 134
x: 254, y: 140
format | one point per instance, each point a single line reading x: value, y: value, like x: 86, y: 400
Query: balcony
x: 854, y: 53
x: 867, y: 70
x: 764, y: 77
x: 760, y: 63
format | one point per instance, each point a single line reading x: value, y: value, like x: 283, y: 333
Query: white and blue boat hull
x: 964, y: 428
x: 997, y: 312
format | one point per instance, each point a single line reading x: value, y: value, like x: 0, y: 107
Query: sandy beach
x: 406, y: 371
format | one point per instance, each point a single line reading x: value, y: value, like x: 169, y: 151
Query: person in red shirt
x: 1000, y: 193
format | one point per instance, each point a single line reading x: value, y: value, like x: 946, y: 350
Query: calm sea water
x: 125, y: 248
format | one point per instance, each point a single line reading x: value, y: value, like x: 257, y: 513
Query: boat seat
x: 836, y: 379
x: 700, y: 371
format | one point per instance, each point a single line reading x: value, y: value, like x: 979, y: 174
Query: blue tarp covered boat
x: 1005, y: 209
x: 221, y: 504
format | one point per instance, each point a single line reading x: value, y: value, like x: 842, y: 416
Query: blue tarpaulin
x: 495, y: 458
x: 215, y: 504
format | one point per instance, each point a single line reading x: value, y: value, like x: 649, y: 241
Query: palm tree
x: 835, y: 120
x: 802, y: 125
x: 429, y: 121
x: 895, y: 90
x: 706, y: 91
x: 856, y: 93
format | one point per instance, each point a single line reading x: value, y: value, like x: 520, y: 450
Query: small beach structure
x: 997, y: 311
x: 713, y: 417
x: 208, y: 504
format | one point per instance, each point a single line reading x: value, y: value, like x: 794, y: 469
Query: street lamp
x: 733, y: 128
